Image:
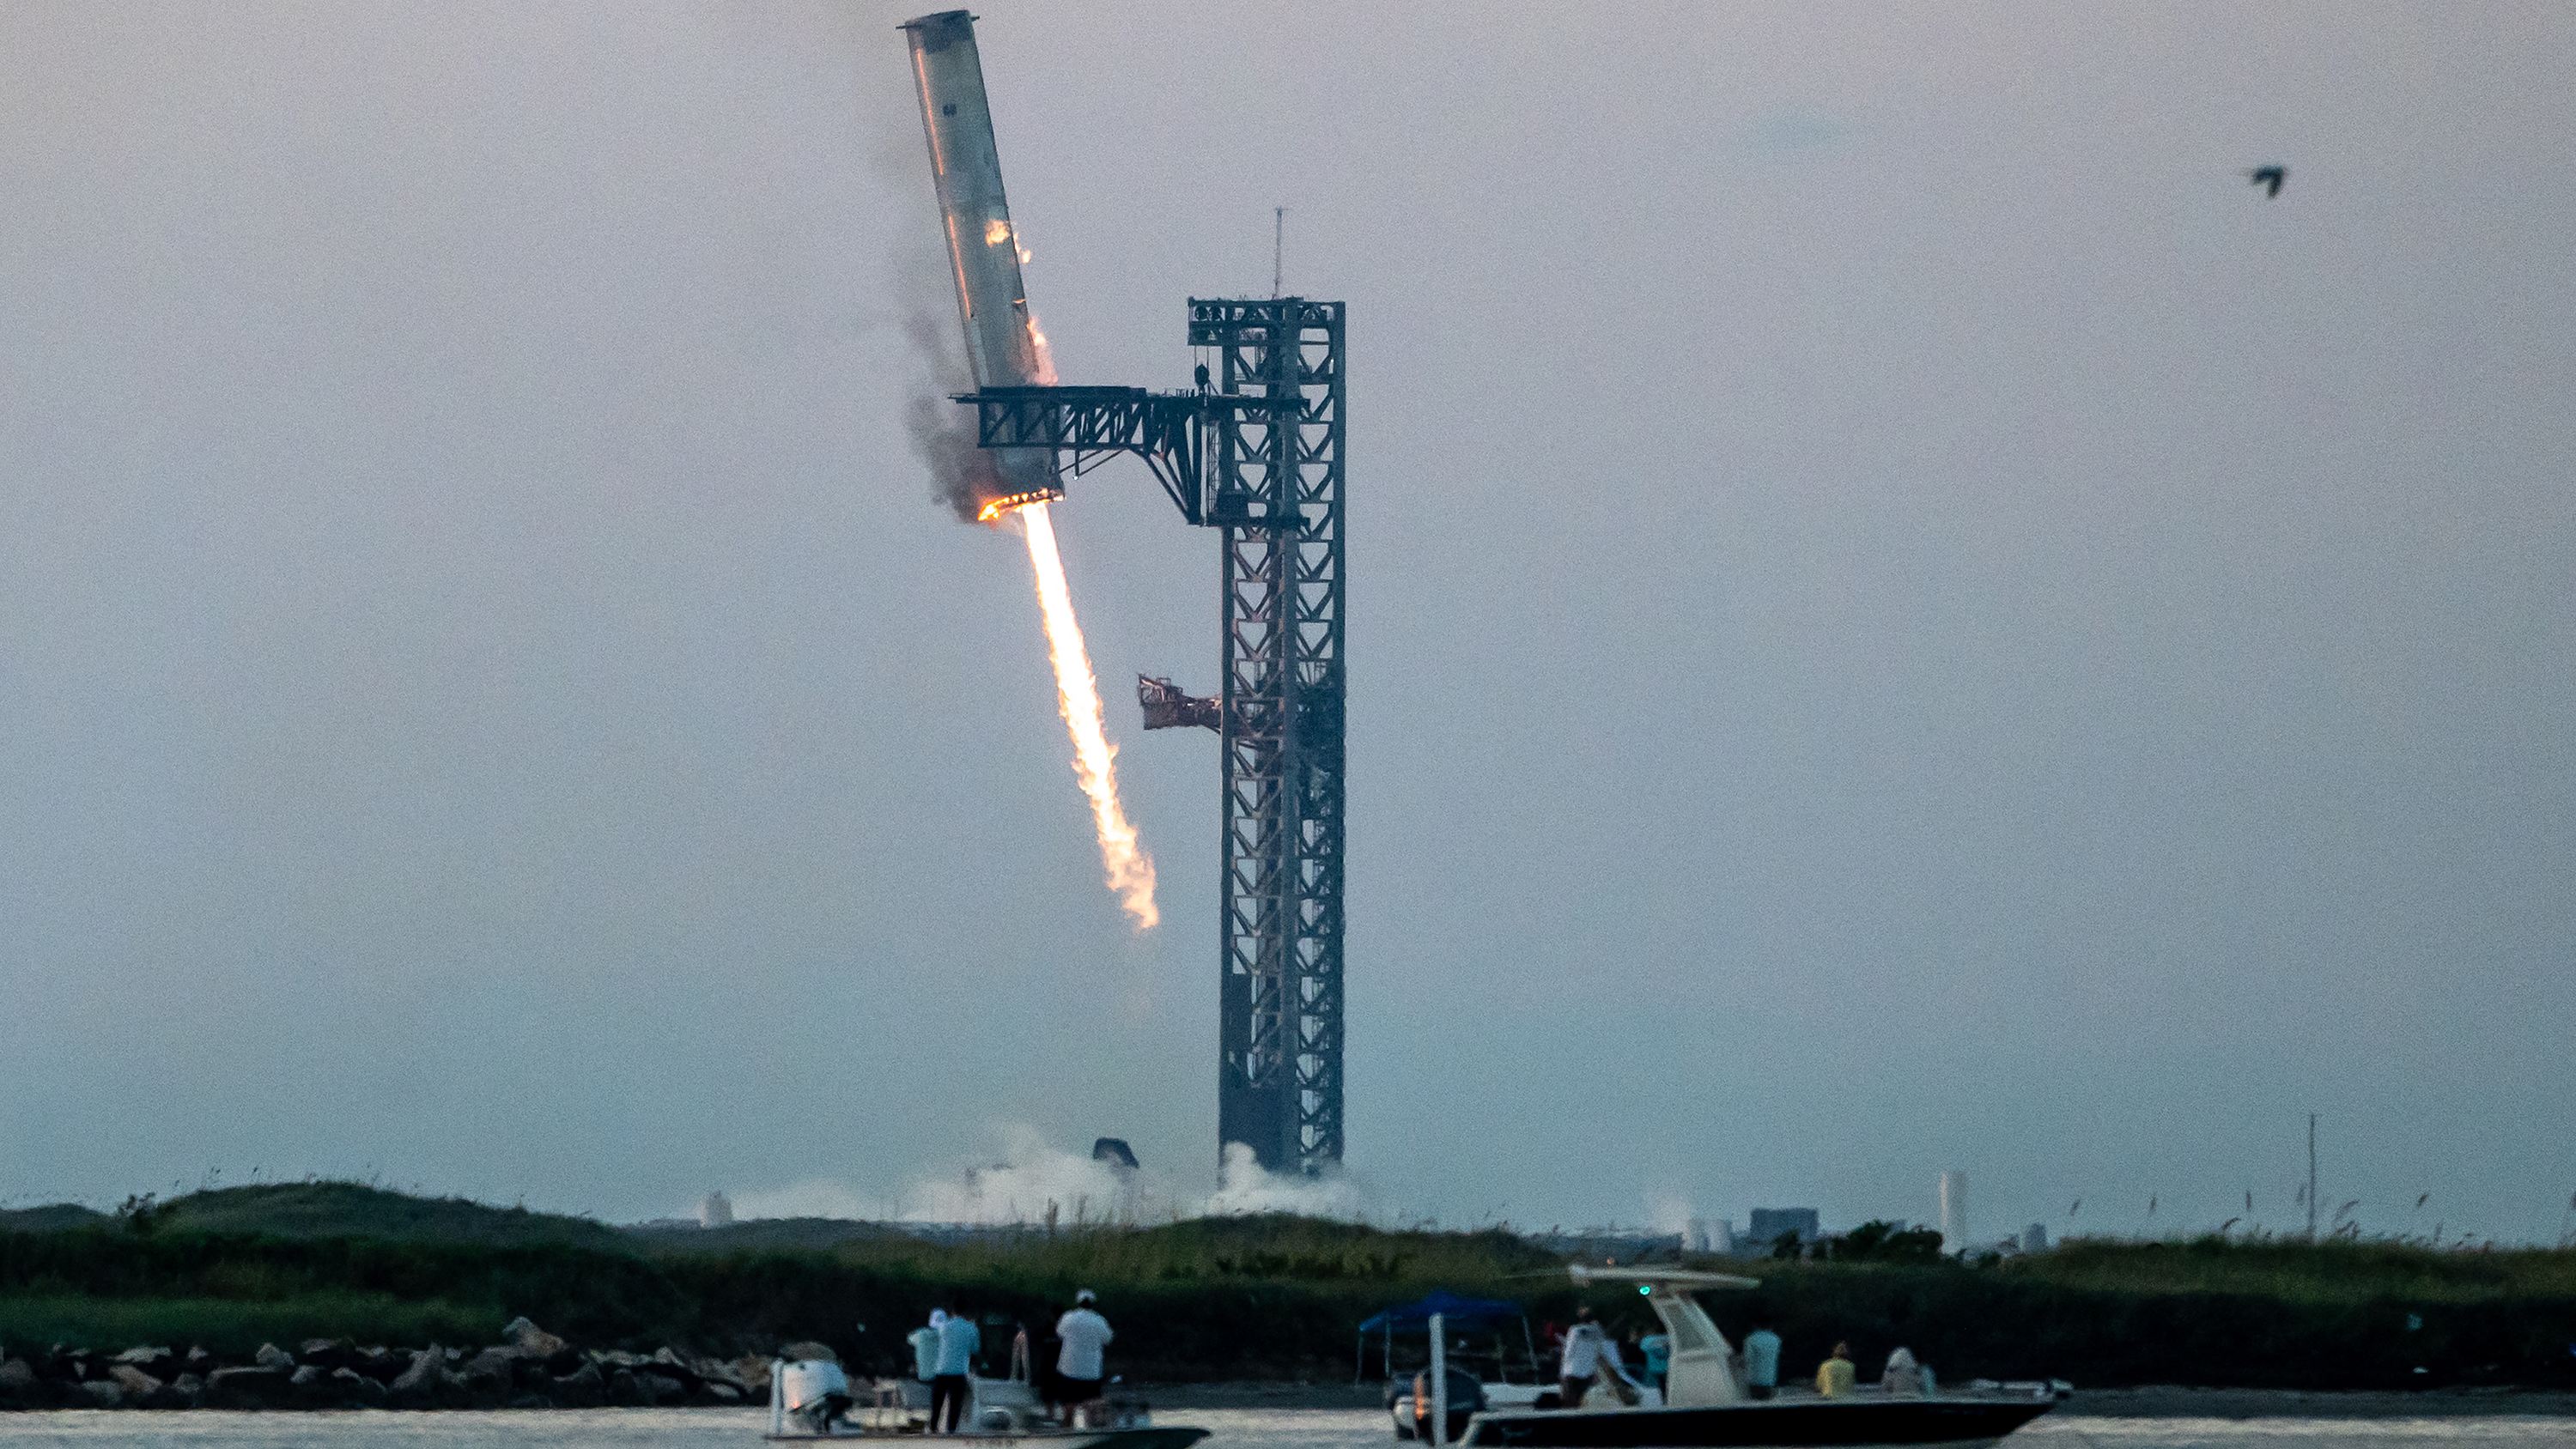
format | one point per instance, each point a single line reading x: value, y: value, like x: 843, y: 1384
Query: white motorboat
x: 1495, y: 1320
x: 1705, y: 1406
x: 812, y: 1399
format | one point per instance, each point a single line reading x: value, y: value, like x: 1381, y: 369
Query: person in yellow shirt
x: 1835, y: 1377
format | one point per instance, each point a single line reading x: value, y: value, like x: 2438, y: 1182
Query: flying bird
x: 2269, y: 178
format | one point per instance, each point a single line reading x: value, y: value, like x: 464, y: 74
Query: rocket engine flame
x: 993, y: 510
x: 1130, y: 870
x: 1006, y: 348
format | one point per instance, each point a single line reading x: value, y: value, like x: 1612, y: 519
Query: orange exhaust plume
x: 1077, y: 693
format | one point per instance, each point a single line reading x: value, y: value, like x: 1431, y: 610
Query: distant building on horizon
x: 1769, y: 1223
x: 1954, y: 1212
x: 1711, y: 1235
x: 2034, y: 1239
x: 715, y: 1212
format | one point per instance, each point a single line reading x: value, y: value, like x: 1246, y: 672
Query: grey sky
x: 1903, y: 616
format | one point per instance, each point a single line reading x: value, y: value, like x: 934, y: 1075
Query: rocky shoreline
x: 533, y: 1370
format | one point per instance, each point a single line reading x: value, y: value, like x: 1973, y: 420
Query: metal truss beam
x: 1255, y: 452
x: 1275, y: 488
x: 1166, y: 429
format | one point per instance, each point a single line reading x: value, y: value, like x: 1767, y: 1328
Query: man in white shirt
x: 1587, y: 1351
x: 1078, y: 1367
x: 925, y: 1346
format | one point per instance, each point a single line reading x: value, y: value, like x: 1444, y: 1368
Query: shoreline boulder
x: 531, y: 1341
x: 160, y: 1363
x: 248, y: 1388
x: 423, y: 1385
x: 137, y: 1384
x: 662, y: 1389
x: 490, y: 1377
x: 584, y: 1388
x: 326, y: 1354
x: 381, y: 1364
x: 20, y: 1388
x: 316, y: 1387
x: 356, y: 1390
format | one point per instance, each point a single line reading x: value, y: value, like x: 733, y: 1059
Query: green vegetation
x: 49, y: 1219
x: 2332, y: 1272
x: 1255, y: 1297
x: 234, y: 1329
x: 2212, y: 1312
x: 356, y: 1210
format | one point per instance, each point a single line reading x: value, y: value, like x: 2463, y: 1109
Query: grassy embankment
x: 1254, y: 1297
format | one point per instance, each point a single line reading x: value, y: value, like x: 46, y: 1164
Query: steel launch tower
x: 1277, y: 496
x: 1254, y: 452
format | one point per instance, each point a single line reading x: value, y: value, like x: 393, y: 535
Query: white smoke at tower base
x: 1026, y: 1174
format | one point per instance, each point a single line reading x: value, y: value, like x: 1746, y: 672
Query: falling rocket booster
x: 1003, y: 345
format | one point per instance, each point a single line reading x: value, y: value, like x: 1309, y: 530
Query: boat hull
x: 1173, y: 1437
x: 1815, y: 1424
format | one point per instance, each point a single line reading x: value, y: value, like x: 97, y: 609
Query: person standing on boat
x: 925, y: 1358
x: 1836, y: 1378
x: 1587, y: 1351
x: 1657, y: 1350
x: 1079, y: 1367
x: 1762, y: 1361
x: 958, y: 1342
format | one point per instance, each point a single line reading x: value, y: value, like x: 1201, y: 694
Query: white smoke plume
x: 1029, y: 1174
x: 1668, y: 1210
x: 1244, y: 1186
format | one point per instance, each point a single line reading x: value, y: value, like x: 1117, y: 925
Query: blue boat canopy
x: 1457, y: 1312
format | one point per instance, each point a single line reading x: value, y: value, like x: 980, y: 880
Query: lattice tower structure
x: 1275, y: 490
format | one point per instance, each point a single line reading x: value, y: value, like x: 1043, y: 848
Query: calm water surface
x: 1233, y: 1429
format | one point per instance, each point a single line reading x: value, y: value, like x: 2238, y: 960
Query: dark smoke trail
x: 962, y: 475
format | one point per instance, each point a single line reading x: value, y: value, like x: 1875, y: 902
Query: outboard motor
x: 1412, y: 1405
x: 815, y: 1393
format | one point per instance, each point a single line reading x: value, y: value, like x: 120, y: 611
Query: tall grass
x: 1281, y: 1296
x: 236, y: 1329
x: 2339, y: 1271
x: 325, y: 1209
x: 1211, y: 1250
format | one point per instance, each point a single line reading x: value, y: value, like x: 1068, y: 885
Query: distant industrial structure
x: 716, y: 1211
x: 1954, y: 1212
x: 1768, y: 1224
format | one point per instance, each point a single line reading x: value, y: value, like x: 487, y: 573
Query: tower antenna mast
x: 1278, y: 244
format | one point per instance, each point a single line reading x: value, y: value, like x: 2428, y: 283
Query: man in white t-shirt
x: 1588, y: 1350
x: 1078, y: 1367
